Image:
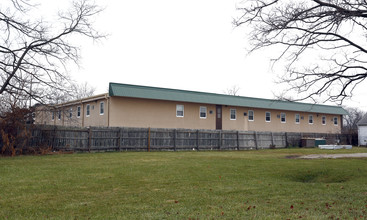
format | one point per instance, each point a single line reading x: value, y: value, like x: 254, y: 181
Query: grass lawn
x: 263, y: 184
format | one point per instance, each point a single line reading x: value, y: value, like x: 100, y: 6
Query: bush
x: 14, y: 132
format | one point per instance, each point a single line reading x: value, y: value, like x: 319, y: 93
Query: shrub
x: 14, y: 131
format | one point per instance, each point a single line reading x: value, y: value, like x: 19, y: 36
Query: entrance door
x: 218, y: 117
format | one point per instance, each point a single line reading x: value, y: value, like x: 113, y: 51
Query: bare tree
x: 74, y: 91
x: 34, y: 53
x: 350, y: 124
x: 233, y: 90
x: 323, y: 43
x: 82, y: 90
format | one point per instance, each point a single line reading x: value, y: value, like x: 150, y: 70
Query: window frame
x: 101, y: 108
x: 71, y: 112
x: 335, y: 119
x: 179, y: 110
x: 267, y: 117
x: 299, y: 118
x: 251, y: 115
x: 281, y: 117
x: 79, y: 111
x: 87, y: 112
x: 203, y: 109
x: 53, y: 116
x: 323, y: 120
x: 310, y: 117
x: 230, y: 114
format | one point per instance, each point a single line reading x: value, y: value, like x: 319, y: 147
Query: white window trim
x: 86, y: 110
x: 70, y: 112
x: 323, y: 116
x: 285, y: 118
x: 78, y: 111
x: 253, y: 115
x: 269, y: 117
x: 201, y: 112
x: 299, y: 119
x: 337, y: 121
x: 183, y: 111
x: 309, y: 119
x: 230, y: 114
x: 100, y: 105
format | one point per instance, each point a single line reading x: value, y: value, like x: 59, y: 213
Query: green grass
x: 262, y: 184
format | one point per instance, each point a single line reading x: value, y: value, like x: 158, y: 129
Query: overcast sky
x: 190, y: 45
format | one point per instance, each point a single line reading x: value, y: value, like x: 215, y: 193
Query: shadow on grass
x: 319, y: 176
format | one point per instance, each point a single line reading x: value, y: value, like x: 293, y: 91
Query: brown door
x: 218, y: 117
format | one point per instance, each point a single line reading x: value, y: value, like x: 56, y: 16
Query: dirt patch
x: 333, y: 156
x: 292, y: 156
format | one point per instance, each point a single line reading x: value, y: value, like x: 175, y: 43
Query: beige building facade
x: 139, y: 106
x: 91, y: 111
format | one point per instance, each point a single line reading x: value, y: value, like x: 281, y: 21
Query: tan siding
x: 259, y: 123
x: 95, y: 119
x: 134, y: 112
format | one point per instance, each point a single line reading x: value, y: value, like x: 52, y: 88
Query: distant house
x: 142, y: 106
x: 362, y: 131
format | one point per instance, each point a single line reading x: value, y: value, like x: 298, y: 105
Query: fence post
x: 272, y: 139
x: 238, y: 140
x: 119, y: 139
x: 54, y: 138
x: 220, y: 140
x: 89, y: 139
x: 197, y: 139
x: 174, y: 139
x: 256, y: 141
x: 149, y: 139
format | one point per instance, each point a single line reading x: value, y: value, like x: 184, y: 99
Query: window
x: 101, y: 108
x: 179, y: 111
x: 59, y: 115
x: 297, y: 118
x: 310, y: 119
x: 71, y: 113
x: 335, y: 120
x: 88, y: 110
x: 233, y: 114
x: 78, y: 111
x: 202, y: 112
x: 250, y: 115
x: 53, y: 116
x: 267, y: 116
x: 323, y: 119
x: 282, y: 117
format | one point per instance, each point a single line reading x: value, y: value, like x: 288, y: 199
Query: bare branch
x: 334, y: 30
x: 34, y: 55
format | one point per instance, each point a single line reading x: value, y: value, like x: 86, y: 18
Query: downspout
x: 108, y: 111
x: 82, y: 112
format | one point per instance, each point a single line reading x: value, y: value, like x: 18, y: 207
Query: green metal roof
x: 146, y: 92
